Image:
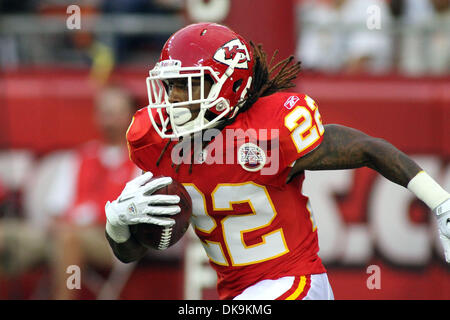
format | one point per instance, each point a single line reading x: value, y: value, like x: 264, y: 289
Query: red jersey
x: 252, y: 224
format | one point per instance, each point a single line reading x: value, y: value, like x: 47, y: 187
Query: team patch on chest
x: 251, y: 157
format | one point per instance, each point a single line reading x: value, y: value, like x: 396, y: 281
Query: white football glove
x: 136, y: 204
x: 443, y: 218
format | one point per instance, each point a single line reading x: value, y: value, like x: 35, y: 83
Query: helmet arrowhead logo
x: 231, y: 53
x: 228, y: 52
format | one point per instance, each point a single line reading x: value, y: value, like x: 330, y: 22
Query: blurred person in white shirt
x: 335, y: 36
x: 425, y: 45
x: 100, y: 169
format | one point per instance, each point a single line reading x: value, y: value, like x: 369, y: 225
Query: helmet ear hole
x: 237, y: 84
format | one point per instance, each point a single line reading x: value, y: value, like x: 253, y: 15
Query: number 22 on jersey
x: 305, y: 130
x: 234, y: 227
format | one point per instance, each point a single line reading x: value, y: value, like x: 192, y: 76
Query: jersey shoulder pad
x: 144, y: 143
x: 298, y: 121
x: 141, y: 132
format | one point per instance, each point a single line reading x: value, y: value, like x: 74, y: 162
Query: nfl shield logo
x: 251, y: 157
x: 132, y: 209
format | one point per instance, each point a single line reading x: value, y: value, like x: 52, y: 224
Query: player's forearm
x: 390, y: 162
x: 401, y: 169
x: 127, y: 251
x: 347, y: 148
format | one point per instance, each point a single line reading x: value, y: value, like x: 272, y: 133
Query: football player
x: 255, y: 224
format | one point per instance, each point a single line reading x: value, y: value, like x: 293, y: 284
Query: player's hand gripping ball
x: 161, y: 237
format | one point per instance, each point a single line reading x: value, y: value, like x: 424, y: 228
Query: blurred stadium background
x: 381, y: 66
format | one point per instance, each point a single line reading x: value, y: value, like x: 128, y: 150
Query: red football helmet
x: 193, y: 52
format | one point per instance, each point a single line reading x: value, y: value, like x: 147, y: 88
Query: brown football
x: 158, y: 237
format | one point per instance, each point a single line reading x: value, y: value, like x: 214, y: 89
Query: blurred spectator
x: 128, y: 47
x: 101, y: 170
x: 425, y: 48
x: 9, y: 56
x: 55, y: 44
x: 21, y: 247
x: 334, y: 36
x: 13, y: 6
x: 75, y: 200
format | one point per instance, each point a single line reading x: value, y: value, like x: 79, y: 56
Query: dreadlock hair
x: 267, y: 79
